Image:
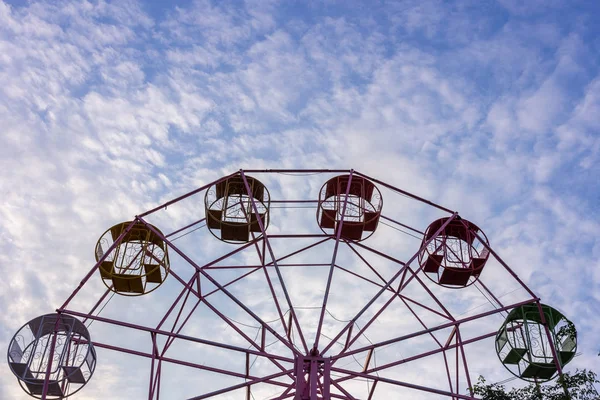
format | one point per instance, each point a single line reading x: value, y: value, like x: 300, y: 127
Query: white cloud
x: 107, y: 110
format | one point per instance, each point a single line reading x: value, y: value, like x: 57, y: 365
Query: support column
x: 309, y: 369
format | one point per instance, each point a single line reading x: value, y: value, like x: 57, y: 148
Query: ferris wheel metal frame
x: 308, y: 368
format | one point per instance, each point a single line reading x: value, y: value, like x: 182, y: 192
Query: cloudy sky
x: 110, y: 108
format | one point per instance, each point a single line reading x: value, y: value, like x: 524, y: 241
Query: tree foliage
x: 580, y: 386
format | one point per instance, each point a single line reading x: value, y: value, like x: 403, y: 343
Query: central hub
x: 312, y: 377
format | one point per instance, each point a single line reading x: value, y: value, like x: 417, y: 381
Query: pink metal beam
x: 420, y: 321
x: 186, y: 227
x: 217, y: 312
x: 448, y: 346
x: 270, y: 265
x: 50, y: 358
x: 447, y: 370
x: 557, y: 361
x: 433, y: 296
x: 253, y: 379
x: 106, y: 292
x: 423, y: 355
x: 366, y: 307
x: 185, y: 291
x: 180, y: 336
x: 274, y: 260
x: 501, y: 261
x: 406, y: 193
x: 231, y: 324
x: 95, y: 267
x: 261, y: 255
x: 464, y: 358
x: 185, y: 196
x: 425, y: 331
x: 152, y: 377
x: 404, y: 384
x: 217, y: 284
x: 297, y: 171
x: 366, y: 262
x: 389, y: 288
x: 338, y: 235
x: 403, y: 225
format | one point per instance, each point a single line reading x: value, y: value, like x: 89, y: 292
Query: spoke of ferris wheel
x: 185, y: 227
x: 253, y: 381
x: 186, y: 195
x: 405, y: 193
x: 389, y: 289
x: 366, y: 307
x: 450, y: 346
x: 274, y: 259
x: 229, y: 322
x: 193, y: 339
x: 171, y: 340
x: 425, y: 331
x: 403, y: 284
x: 447, y: 371
x: 501, y: 261
x: 261, y: 256
x: 216, y: 311
x: 413, y: 274
x: 421, y: 322
x: 479, y: 281
x: 366, y: 263
x: 464, y: 359
x: 154, y: 379
x: 217, y: 284
x: 97, y: 304
x: 95, y: 267
x: 186, y: 290
x: 179, y: 296
x: 447, y: 316
x: 338, y: 235
x: 404, y: 384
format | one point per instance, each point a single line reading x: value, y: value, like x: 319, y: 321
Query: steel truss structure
x: 305, y: 309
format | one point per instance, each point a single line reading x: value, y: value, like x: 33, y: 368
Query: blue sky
x: 487, y: 107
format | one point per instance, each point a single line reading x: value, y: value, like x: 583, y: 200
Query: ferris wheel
x: 293, y: 284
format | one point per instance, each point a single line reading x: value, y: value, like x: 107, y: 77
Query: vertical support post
x: 382, y: 290
x: 338, y: 235
x: 457, y: 365
x: 313, y: 378
x: 552, y: 347
x: 464, y: 358
x: 510, y: 271
x: 372, y: 392
x: 248, y: 392
x: 218, y: 285
x: 300, y: 381
x: 349, y: 337
x: 158, y: 372
x: 274, y: 260
x: 326, y: 378
x: 50, y: 357
x: 447, y: 370
x: 97, y: 265
x: 314, y: 366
